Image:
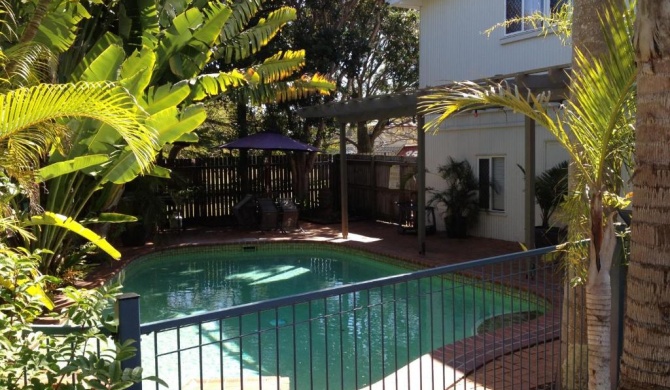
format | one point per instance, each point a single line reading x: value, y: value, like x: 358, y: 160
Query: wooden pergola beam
x: 554, y: 80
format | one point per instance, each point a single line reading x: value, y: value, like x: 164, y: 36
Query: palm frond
x: 602, y: 104
x: 28, y: 64
x: 23, y: 109
x: 8, y: 22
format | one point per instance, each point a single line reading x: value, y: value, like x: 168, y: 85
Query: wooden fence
x: 205, y: 190
x: 376, y: 183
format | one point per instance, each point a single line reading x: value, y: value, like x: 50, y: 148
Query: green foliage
x: 66, y: 361
x: 157, y: 59
x: 595, y: 126
x: 459, y: 199
x: 551, y: 187
x: 559, y: 22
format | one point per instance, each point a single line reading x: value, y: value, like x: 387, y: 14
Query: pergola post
x: 421, y: 184
x: 529, y: 136
x: 344, y: 193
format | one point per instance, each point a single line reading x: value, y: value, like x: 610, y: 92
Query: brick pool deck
x: 502, y: 355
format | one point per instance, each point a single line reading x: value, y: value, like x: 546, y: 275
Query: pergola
x: 552, y: 79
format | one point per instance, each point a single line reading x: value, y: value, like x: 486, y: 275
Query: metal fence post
x: 127, y: 311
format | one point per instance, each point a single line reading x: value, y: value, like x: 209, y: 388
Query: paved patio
x: 502, y: 371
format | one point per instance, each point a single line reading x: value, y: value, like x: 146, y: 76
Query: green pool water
x: 348, y: 341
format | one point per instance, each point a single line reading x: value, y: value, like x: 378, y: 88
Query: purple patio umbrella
x: 269, y: 141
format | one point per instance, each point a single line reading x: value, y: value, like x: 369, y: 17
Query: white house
x: 454, y: 47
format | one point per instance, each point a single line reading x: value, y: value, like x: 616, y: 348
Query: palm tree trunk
x: 31, y: 29
x: 588, y: 38
x: 645, y: 363
x: 599, y: 300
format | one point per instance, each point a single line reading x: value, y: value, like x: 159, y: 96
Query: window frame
x: 486, y: 188
x: 546, y: 9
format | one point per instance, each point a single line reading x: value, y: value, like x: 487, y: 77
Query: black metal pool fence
x: 400, y: 332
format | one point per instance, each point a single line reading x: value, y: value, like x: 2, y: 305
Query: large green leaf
x: 166, y: 96
x: 161, y: 172
x: 58, y: 28
x: 96, y: 51
x: 64, y: 167
x: 188, y: 138
x: 280, y: 66
x: 173, y: 127
x: 176, y: 37
x: 243, y: 11
x: 110, y: 218
x: 210, y: 85
x: 190, y: 59
x: 216, y: 16
x: 123, y: 169
x: 53, y: 219
x: 136, y: 71
x: 253, y: 39
x: 106, y: 66
x: 171, y: 124
x: 289, y: 90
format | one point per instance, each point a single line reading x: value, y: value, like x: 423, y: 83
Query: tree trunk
x: 588, y: 38
x: 599, y: 299
x: 645, y: 363
x: 35, y: 21
x: 301, y: 165
x: 363, y: 143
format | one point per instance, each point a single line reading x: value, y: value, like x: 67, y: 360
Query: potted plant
x: 551, y: 186
x: 459, y: 199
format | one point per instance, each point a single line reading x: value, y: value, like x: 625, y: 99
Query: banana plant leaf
x: 53, y: 219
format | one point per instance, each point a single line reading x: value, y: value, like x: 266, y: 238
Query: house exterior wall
x: 453, y: 46
x: 493, y: 133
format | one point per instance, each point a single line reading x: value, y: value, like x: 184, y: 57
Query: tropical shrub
x: 459, y: 199
x: 160, y: 55
x: 37, y: 360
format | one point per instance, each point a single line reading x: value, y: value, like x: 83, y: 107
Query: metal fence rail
x: 487, y: 323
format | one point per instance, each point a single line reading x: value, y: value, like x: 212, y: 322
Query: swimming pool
x: 337, y: 342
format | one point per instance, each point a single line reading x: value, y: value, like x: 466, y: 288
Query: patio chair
x: 289, y: 215
x: 245, y: 212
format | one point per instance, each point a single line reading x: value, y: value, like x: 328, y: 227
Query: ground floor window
x: 492, y: 183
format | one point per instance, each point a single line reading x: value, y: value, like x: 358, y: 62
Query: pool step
x: 251, y: 383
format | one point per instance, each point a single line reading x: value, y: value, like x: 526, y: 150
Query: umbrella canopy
x: 269, y: 141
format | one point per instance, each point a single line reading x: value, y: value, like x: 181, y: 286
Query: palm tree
x: 645, y: 363
x: 595, y: 128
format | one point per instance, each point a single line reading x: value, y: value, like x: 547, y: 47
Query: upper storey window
x: 518, y: 9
